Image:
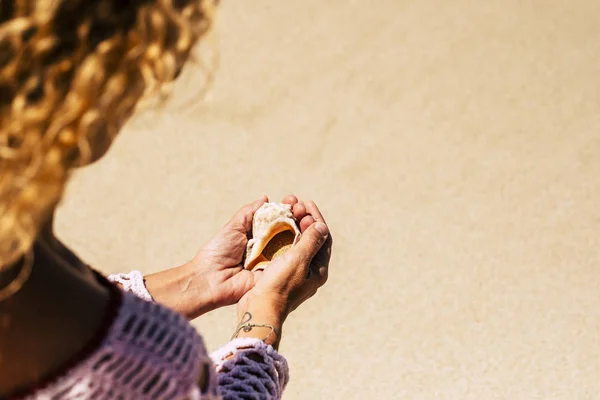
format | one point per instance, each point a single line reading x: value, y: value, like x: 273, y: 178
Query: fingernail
x: 322, y: 228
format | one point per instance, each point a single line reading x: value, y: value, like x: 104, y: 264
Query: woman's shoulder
x: 141, y: 350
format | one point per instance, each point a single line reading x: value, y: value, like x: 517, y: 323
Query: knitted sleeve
x: 249, y: 368
x: 246, y: 367
x: 132, y: 282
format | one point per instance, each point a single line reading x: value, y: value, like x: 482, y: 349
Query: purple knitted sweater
x: 146, y: 351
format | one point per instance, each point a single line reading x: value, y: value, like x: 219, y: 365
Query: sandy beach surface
x: 454, y: 148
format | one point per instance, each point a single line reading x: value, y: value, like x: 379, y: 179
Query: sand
x: 454, y: 148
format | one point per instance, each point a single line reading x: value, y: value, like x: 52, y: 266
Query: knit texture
x: 151, y: 352
x: 242, y: 377
x: 132, y: 282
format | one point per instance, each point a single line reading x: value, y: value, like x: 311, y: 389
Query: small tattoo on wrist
x: 246, y: 326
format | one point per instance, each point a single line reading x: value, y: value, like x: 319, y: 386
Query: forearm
x: 181, y: 289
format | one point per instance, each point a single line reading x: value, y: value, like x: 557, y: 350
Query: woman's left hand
x: 219, y: 261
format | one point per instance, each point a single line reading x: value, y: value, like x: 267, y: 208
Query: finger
x: 320, y: 262
x: 299, y: 210
x: 318, y: 278
x: 242, y: 220
x: 310, y: 242
x: 241, y: 283
x: 321, y: 276
x: 312, y: 209
x: 257, y: 274
x: 306, y: 222
x: 290, y: 199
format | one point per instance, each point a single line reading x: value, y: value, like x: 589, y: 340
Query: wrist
x: 181, y: 289
x: 264, y: 327
x: 270, y: 309
x: 261, y: 318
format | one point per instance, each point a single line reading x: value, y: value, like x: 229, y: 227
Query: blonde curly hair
x: 71, y: 73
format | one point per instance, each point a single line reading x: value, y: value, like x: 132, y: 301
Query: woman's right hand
x: 290, y: 279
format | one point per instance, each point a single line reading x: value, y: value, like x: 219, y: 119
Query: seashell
x: 274, y: 231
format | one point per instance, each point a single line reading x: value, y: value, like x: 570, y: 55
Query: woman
x: 71, y: 73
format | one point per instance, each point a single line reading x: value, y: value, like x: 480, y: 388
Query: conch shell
x: 274, y: 231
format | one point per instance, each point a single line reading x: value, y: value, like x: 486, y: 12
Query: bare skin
x: 63, y: 300
x: 66, y: 304
x: 291, y: 279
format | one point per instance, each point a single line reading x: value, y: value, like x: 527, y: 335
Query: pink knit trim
x: 132, y: 282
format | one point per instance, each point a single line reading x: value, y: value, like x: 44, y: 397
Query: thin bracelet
x: 246, y: 326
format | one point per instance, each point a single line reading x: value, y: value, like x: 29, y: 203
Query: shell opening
x: 274, y: 247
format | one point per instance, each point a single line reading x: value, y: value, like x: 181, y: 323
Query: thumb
x: 310, y: 242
